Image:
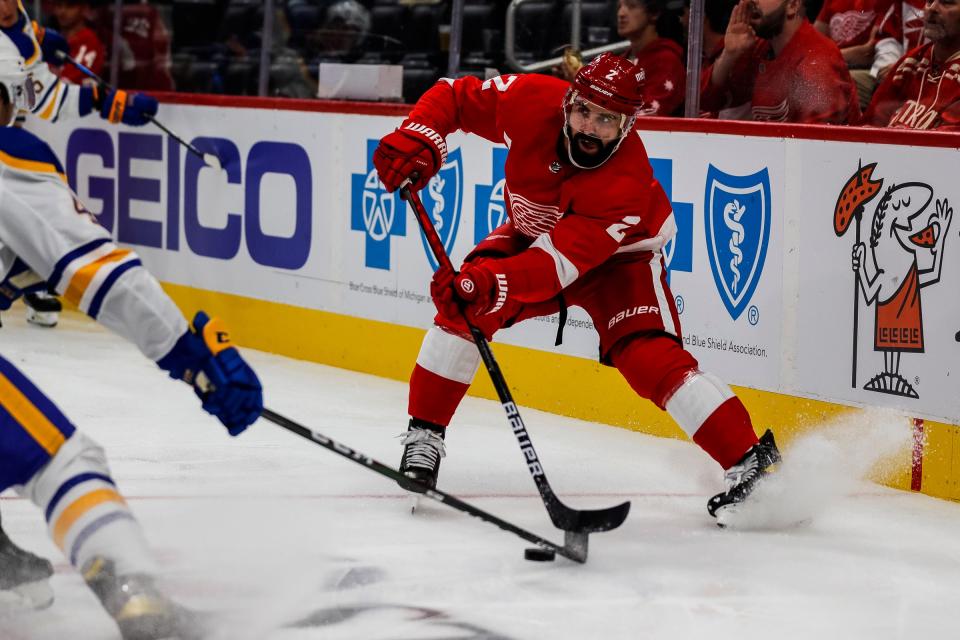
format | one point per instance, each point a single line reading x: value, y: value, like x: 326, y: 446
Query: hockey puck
x: 538, y: 554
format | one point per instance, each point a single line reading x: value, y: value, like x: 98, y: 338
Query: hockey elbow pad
x: 205, y: 358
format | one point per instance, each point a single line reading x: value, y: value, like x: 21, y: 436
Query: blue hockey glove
x: 205, y: 358
x: 116, y: 106
x: 53, y: 46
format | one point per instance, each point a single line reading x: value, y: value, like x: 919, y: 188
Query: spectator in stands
x: 645, y: 24
x: 852, y: 25
x: 344, y: 30
x: 716, y: 17
x: 85, y: 47
x: 922, y: 91
x: 786, y: 71
x: 144, y: 46
x: 899, y: 29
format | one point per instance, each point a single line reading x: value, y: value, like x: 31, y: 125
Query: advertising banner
x: 879, y: 313
x: 761, y: 271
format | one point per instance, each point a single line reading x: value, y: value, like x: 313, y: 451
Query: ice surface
x: 285, y: 540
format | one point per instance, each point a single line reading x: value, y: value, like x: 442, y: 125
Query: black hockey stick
x: 563, y: 517
x: 210, y: 159
x: 575, y: 547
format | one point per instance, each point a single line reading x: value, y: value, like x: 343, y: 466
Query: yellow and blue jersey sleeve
x: 44, y: 225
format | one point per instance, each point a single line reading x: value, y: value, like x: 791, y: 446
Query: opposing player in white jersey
x: 58, y: 100
x: 47, y: 236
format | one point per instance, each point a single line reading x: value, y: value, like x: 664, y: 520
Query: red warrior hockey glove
x: 413, y: 151
x: 476, y: 290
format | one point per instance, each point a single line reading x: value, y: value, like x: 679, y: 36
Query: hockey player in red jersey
x: 775, y: 61
x: 587, y: 222
x: 923, y: 90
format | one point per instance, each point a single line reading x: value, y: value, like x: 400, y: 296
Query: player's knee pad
x: 79, y: 458
x: 695, y: 399
x: 84, y: 510
x: 449, y: 355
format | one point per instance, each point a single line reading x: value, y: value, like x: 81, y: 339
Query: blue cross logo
x: 678, y: 253
x: 377, y: 213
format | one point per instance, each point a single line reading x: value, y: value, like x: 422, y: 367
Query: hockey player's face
x: 8, y: 13
x: 593, y: 126
x: 941, y: 22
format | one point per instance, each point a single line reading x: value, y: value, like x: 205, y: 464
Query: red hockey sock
x: 434, y: 398
x: 727, y: 433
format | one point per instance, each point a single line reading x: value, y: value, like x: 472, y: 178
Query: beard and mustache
x: 598, y: 152
x: 770, y: 25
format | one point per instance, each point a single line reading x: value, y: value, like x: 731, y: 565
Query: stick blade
x: 590, y: 520
x: 212, y: 161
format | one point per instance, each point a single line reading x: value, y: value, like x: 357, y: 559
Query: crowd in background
x: 875, y: 62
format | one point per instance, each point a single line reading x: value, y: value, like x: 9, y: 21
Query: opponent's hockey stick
x: 563, y: 517
x: 575, y: 547
x: 209, y: 159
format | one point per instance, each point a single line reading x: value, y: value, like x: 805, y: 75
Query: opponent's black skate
x: 423, y: 449
x: 742, y: 478
x: 43, y: 309
x: 24, y: 578
x: 140, y: 609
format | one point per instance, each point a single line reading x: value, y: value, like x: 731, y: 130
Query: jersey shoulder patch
x: 24, y: 151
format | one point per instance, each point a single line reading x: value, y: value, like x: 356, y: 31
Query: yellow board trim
x: 30, y: 417
x: 80, y: 506
x: 559, y: 384
x: 84, y: 275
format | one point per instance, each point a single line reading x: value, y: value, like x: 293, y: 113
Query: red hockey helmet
x: 612, y: 82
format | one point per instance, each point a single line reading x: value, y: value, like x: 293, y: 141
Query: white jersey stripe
x: 567, y: 272
x: 666, y: 315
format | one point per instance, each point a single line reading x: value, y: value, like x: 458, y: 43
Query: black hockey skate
x: 140, y: 609
x: 743, y: 477
x: 423, y: 449
x: 24, y: 578
x: 43, y: 309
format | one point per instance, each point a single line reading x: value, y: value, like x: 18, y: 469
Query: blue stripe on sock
x: 101, y: 294
x: 70, y: 484
x: 92, y: 528
x: 54, y: 279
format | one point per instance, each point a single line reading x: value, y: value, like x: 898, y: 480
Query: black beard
x: 569, y: 141
x: 771, y: 25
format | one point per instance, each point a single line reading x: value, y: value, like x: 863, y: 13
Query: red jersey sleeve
x: 467, y: 104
